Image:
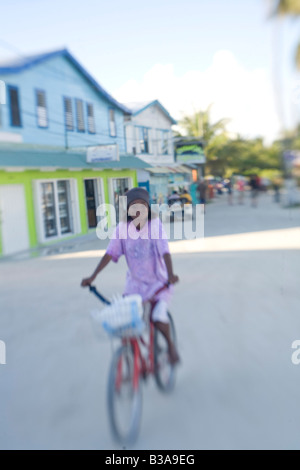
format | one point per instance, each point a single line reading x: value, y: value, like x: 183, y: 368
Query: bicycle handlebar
x: 107, y: 302
x: 100, y: 296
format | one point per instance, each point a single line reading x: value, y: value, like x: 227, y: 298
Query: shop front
x: 162, y: 181
x: 190, y: 152
x: 94, y: 196
x: 179, y: 179
x: 118, y: 187
x: 42, y: 204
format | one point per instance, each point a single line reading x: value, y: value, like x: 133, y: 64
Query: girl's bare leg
x: 164, y: 328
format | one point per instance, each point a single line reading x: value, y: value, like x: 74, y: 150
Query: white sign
x: 102, y: 153
x: 2, y: 92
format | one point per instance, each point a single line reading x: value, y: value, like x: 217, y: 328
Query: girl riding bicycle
x: 143, y: 241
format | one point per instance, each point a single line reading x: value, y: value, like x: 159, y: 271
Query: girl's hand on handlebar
x: 173, y: 279
x: 87, y: 281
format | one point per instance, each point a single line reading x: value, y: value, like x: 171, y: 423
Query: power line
x: 64, y: 76
x: 97, y: 133
x: 104, y: 134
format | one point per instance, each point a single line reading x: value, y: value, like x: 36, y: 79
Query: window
x: 63, y: 193
x: 41, y: 109
x: 15, y: 115
x: 56, y: 208
x: 119, y: 187
x: 144, y: 140
x: 80, y: 116
x: 68, y: 111
x: 48, y: 209
x: 164, y: 142
x: 91, y: 119
x: 112, y: 123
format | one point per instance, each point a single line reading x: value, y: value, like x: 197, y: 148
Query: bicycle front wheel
x: 165, y: 372
x: 124, y: 397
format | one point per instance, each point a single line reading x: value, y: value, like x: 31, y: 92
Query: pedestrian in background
x: 254, y: 185
x: 241, y: 190
x: 193, y: 192
x: 211, y: 191
x: 229, y: 192
x: 174, y: 197
x: 202, y: 192
x: 276, y: 187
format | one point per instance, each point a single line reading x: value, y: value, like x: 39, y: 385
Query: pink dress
x: 240, y: 186
x: 144, y: 252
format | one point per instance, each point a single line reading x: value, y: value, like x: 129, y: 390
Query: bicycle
x: 129, y: 367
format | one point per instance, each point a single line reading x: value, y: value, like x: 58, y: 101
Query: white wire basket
x: 123, y: 318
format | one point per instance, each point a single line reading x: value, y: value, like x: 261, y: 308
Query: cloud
x: 244, y: 96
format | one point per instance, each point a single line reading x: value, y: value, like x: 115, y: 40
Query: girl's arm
x: 172, y: 277
x: 103, y: 263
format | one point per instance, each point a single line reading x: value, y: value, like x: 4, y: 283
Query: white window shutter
x: 151, y: 140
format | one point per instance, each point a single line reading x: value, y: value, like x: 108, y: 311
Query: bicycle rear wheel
x: 124, y: 397
x: 164, y: 371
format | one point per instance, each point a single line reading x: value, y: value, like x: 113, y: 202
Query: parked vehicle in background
x: 180, y: 205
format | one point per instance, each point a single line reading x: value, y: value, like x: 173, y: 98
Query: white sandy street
x: 237, y: 315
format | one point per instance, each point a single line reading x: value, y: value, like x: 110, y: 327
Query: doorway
x: 13, y: 219
x: 93, y: 196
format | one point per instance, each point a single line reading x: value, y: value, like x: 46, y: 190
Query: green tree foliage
x: 242, y: 156
x: 226, y: 155
x: 199, y: 125
x: 289, y: 8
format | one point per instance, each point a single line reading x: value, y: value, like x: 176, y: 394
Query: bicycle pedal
x: 144, y: 376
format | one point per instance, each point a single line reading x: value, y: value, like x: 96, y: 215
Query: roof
x: 137, y: 108
x: 160, y: 170
x: 182, y: 169
x: 62, y: 159
x: 169, y: 169
x: 186, y: 141
x: 20, y: 64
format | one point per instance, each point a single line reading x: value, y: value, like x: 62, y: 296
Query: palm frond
x: 297, y: 57
x: 287, y: 7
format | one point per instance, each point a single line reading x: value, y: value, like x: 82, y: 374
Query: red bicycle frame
x: 143, y: 366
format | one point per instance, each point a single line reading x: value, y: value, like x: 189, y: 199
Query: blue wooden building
x: 54, y: 110
x: 53, y: 100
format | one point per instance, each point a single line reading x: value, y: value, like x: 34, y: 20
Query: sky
x: 186, y: 54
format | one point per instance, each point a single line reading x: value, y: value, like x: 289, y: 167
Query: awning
x: 160, y: 170
x: 65, y: 159
x: 179, y: 169
x: 182, y: 169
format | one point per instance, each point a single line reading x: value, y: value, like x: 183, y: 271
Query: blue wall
x: 58, y: 77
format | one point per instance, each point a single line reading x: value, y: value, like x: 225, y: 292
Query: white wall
x: 155, y: 119
x: 143, y: 176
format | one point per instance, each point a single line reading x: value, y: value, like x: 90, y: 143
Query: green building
x: 47, y: 195
x: 62, y: 150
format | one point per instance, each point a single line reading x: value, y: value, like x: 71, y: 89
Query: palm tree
x: 280, y: 9
x: 289, y: 8
x: 199, y: 125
